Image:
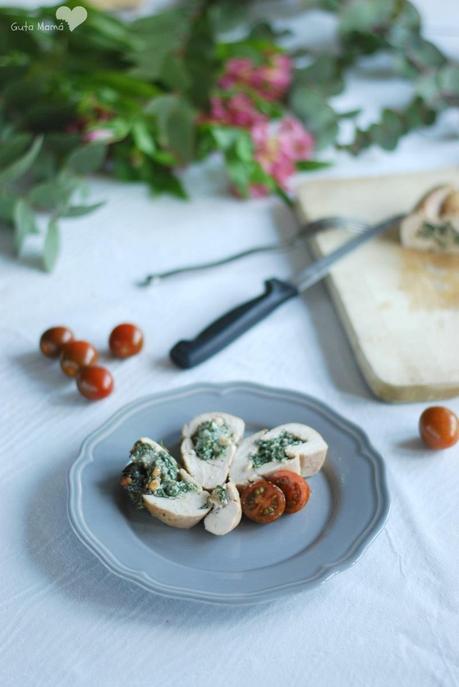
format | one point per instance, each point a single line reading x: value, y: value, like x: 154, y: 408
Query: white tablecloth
x: 390, y: 620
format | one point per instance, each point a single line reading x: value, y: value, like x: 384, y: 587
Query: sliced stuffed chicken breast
x: 308, y: 446
x: 155, y: 482
x: 226, y: 510
x: 434, y: 223
x: 183, y: 511
x: 258, y: 456
x: 208, y: 447
x: 292, y: 446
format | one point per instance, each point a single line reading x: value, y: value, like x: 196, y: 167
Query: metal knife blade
x: 231, y: 325
x: 319, y: 268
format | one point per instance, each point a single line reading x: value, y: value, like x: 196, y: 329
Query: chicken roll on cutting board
x: 434, y: 223
x: 155, y: 482
x: 208, y: 447
x: 226, y: 510
x: 292, y: 446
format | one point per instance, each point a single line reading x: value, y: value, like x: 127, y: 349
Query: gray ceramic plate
x: 348, y: 506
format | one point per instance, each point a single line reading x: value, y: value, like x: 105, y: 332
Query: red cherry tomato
x: 53, y: 339
x: 76, y: 355
x: 439, y: 427
x: 95, y: 382
x: 294, y: 487
x: 262, y: 501
x: 125, y: 340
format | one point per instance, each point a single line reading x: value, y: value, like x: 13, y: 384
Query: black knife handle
x: 233, y: 324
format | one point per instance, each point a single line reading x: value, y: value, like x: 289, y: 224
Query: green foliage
x: 24, y: 223
x: 127, y: 98
x: 51, y: 245
x: 86, y: 159
x: 19, y: 167
x: 175, y: 121
x: 319, y: 117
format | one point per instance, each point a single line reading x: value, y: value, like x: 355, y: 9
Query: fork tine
x: 309, y: 228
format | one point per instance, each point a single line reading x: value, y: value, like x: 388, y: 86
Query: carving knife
x: 228, y: 327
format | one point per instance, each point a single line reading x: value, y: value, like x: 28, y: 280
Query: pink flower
x: 254, y: 191
x: 98, y: 135
x: 277, y: 151
x: 270, y: 80
x: 295, y: 141
x: 238, y: 70
x: 258, y: 191
x: 235, y: 111
x: 273, y: 80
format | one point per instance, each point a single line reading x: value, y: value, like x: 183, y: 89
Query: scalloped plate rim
x: 325, y: 572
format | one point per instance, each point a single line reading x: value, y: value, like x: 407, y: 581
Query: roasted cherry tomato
x: 439, y: 427
x: 95, y: 382
x: 294, y: 487
x: 76, y: 355
x: 263, y: 502
x: 125, y: 340
x: 53, y: 339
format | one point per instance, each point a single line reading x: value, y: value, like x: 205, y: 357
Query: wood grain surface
x: 399, y: 307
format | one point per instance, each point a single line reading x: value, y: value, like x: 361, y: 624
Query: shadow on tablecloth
x: 73, y: 572
x: 330, y: 334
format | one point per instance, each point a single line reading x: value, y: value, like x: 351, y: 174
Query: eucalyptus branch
x: 139, y: 100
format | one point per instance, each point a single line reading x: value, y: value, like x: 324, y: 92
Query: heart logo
x: 73, y: 17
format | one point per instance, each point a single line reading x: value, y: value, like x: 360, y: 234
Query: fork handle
x: 228, y: 327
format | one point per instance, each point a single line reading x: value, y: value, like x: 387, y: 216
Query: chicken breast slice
x: 213, y: 471
x: 434, y: 223
x: 242, y: 470
x: 311, y: 453
x: 431, y: 203
x: 183, y: 512
x: 226, y: 510
x: 304, y: 458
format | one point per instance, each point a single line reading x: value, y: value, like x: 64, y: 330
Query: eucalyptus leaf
x: 324, y: 74
x: 87, y: 159
x: 448, y: 80
x: 176, y: 125
x: 318, y: 116
x: 13, y: 147
x: 80, y: 210
x: 364, y: 15
x: 48, y: 195
x: 7, y: 205
x: 423, y: 54
x: 51, y: 245
x: 24, y: 223
x: 428, y: 87
x: 387, y: 133
x: 22, y: 165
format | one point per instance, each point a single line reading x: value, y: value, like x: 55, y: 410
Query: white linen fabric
x: 392, y: 619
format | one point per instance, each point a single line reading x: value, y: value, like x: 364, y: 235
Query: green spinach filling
x: 220, y: 495
x: 211, y: 439
x: 269, y: 450
x: 444, y: 234
x: 153, y: 471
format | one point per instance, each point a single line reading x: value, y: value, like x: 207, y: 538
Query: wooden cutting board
x: 400, y: 308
